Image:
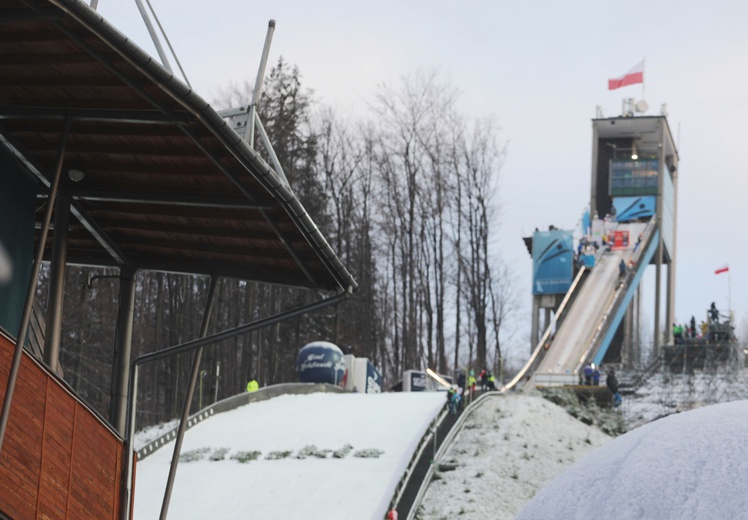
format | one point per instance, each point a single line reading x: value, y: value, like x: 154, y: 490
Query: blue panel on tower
x: 552, y: 262
x: 634, y: 208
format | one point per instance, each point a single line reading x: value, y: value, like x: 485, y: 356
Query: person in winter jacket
x: 612, y: 382
x: 391, y: 514
x: 454, y: 402
x: 491, y: 381
x: 472, y: 383
x: 588, y: 374
x: 483, y: 376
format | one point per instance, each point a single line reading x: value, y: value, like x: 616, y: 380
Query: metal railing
x: 614, y: 302
x: 426, y: 440
x: 446, y: 444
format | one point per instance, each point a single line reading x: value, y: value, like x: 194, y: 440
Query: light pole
x: 203, y: 373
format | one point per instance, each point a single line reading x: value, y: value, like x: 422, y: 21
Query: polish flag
x: 722, y: 269
x: 635, y: 75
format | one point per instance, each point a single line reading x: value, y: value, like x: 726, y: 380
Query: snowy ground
x: 497, y: 475
x: 665, y: 394
x: 509, y: 448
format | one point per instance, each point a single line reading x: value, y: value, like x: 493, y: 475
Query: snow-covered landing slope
x: 354, y: 486
x: 508, y: 449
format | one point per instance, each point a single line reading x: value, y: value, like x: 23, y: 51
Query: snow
x: 508, y: 449
x: 291, y: 488
x: 689, y: 465
x: 512, y: 448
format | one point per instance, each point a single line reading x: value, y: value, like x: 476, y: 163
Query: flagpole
x: 644, y: 97
x: 729, y: 295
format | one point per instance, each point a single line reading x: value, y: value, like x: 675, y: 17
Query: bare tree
x: 480, y: 166
x: 410, y: 124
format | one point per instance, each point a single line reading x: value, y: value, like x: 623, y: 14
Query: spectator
x: 472, y: 383
x: 612, y: 383
x: 588, y: 374
x: 454, y: 401
x: 693, y: 327
x: 253, y: 385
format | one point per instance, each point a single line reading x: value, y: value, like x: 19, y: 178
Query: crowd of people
x: 467, y: 386
x: 708, y: 329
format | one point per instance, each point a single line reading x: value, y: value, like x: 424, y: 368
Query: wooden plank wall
x: 58, y: 460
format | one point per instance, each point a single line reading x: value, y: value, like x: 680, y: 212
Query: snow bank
x: 689, y: 465
x: 509, y: 448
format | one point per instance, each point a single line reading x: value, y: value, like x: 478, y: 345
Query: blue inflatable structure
x: 321, y: 362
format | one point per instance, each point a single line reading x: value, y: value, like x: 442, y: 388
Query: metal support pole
x: 436, y: 430
x: 535, y: 323
x: 57, y: 283
x: 122, y: 350
x: 24, y: 326
x: 127, y: 494
x: 218, y: 378
x: 659, y: 211
x: 154, y: 36
x: 188, y: 399
x: 257, y: 92
x: 270, y: 151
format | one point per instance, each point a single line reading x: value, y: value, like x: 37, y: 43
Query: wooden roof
x: 168, y: 184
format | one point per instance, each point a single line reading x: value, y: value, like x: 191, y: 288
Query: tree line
x: 408, y: 197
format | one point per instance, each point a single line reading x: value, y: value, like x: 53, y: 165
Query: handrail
x: 604, y: 323
x: 456, y: 428
x: 425, y: 440
x: 539, y: 347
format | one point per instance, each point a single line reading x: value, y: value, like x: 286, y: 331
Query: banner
x: 552, y: 260
x: 620, y: 240
x: 634, y: 208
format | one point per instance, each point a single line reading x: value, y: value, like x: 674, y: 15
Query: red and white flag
x: 635, y: 75
x: 722, y: 269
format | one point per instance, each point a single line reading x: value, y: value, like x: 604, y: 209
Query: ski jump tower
x: 635, y: 178
x: 635, y: 175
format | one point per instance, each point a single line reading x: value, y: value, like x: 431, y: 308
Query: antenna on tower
x: 632, y: 107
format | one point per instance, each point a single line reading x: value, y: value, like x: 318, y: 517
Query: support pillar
x: 658, y: 279
x: 53, y: 330
x: 122, y: 351
x: 534, y: 332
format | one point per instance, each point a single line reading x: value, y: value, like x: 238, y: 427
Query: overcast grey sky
x: 541, y: 68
